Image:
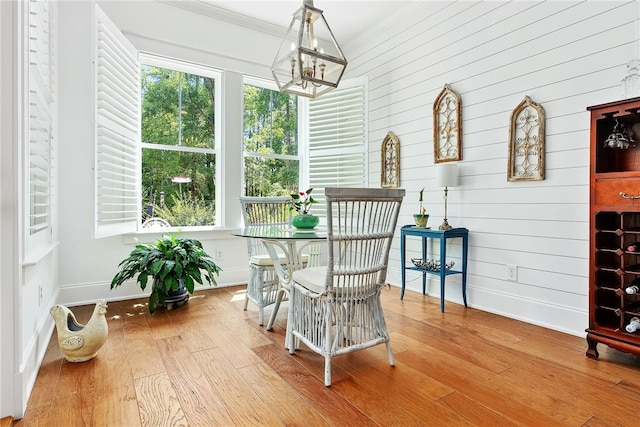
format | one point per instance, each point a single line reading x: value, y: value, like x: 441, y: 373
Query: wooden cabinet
x: 614, y: 225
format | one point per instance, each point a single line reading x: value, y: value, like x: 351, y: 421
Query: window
x: 41, y: 100
x: 337, y: 135
x: 270, y: 140
x: 179, y: 148
x: 166, y: 166
x: 156, y: 138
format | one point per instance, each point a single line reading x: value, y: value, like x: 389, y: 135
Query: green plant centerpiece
x: 421, y: 218
x: 301, y: 203
x: 175, y: 265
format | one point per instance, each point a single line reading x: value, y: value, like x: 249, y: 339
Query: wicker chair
x: 264, y: 283
x: 336, y: 309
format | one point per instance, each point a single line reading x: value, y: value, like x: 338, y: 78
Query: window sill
x: 35, y: 256
x: 150, y: 235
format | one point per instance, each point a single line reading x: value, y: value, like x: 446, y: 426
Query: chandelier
x: 309, y: 62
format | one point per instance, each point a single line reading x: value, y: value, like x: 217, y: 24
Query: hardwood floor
x: 210, y: 363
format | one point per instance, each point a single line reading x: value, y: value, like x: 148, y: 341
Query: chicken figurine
x: 79, y: 342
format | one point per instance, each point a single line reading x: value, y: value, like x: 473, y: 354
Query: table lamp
x: 446, y: 176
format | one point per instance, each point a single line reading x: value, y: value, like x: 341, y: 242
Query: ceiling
x: 346, y: 18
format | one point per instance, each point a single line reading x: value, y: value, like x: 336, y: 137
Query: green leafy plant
x: 170, y: 261
x: 301, y: 202
x: 187, y: 212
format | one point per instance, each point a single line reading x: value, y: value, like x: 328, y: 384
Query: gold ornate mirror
x: 447, y: 127
x: 526, y: 142
x: 390, y: 168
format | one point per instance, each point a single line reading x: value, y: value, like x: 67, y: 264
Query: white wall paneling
x: 565, y: 56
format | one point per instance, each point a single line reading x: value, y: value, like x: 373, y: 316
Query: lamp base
x: 445, y: 225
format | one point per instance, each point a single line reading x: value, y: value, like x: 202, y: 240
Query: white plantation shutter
x: 337, y: 140
x: 40, y: 122
x: 117, y: 168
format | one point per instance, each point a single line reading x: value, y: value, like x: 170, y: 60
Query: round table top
x: 280, y: 232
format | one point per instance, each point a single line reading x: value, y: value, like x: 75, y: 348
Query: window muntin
x: 270, y: 140
x: 179, y: 122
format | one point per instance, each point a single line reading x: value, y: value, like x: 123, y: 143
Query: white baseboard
x: 25, y: 378
x: 88, y: 293
x: 557, y: 317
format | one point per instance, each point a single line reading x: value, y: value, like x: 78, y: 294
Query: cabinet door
x: 617, y: 192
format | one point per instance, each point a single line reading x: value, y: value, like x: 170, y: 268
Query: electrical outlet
x: 512, y: 273
x: 40, y: 294
x: 218, y: 254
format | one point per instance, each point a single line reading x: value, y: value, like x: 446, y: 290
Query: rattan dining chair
x: 263, y: 284
x: 336, y: 309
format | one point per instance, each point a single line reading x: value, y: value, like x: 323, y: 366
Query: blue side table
x: 442, y: 235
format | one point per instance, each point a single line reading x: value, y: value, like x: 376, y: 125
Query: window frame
x: 154, y: 60
x: 300, y: 158
x: 229, y: 147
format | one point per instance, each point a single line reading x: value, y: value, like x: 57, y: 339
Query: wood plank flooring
x: 209, y: 363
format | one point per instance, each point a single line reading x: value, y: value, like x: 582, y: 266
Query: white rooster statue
x: 79, y: 342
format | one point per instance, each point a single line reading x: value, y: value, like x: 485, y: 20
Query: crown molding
x: 204, y: 8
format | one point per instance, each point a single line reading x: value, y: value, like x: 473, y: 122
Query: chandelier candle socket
x: 309, y: 62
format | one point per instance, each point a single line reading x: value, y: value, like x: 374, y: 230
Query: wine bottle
x: 634, y: 247
x: 632, y: 289
x: 634, y: 325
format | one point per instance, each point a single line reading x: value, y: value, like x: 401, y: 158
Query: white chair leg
x: 261, y: 316
x: 276, y: 306
x: 390, y: 353
x: 249, y: 287
x: 289, y: 340
x: 327, y: 371
x: 327, y: 341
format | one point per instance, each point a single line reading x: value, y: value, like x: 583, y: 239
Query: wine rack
x: 614, y: 225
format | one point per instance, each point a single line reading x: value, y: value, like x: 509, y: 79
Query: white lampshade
x: 447, y: 175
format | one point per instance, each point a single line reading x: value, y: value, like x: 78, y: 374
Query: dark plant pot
x: 421, y: 220
x: 174, y: 299
x: 305, y: 222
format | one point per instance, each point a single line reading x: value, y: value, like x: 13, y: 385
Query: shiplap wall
x: 565, y: 56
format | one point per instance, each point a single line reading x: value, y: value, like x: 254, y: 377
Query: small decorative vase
x: 421, y: 220
x: 305, y: 221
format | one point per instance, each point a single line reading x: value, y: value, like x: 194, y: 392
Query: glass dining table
x: 301, y: 248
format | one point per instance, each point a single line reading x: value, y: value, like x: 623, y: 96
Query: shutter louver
x: 337, y: 141
x: 117, y: 131
x: 41, y: 104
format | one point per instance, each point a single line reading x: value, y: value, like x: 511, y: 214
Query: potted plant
x: 301, y: 203
x: 421, y: 218
x: 174, y: 263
